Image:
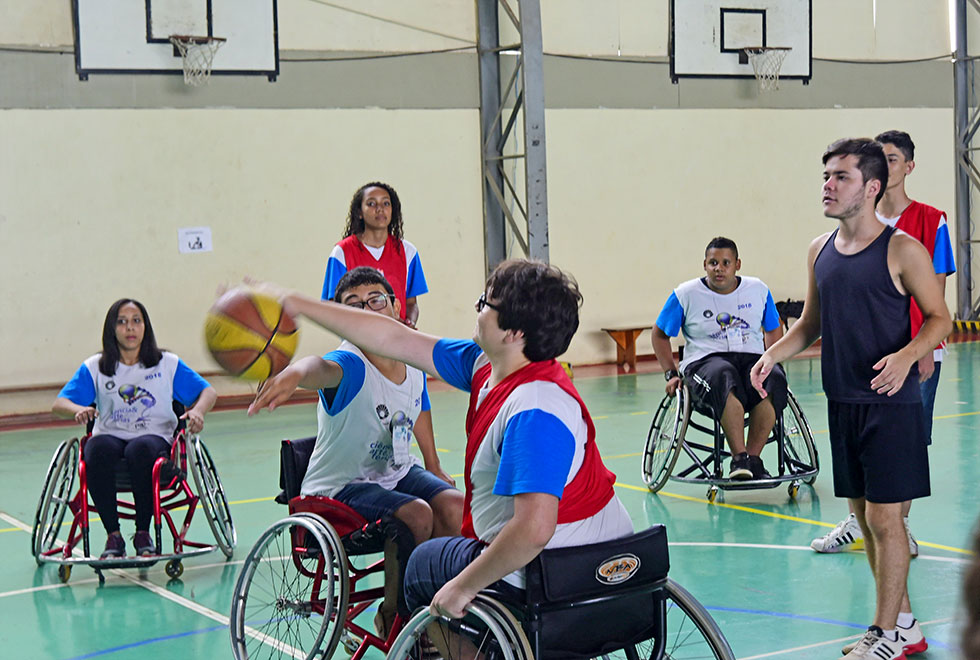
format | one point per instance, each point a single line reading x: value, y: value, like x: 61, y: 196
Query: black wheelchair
x: 299, y: 592
x: 172, y: 491
x: 797, y: 459
x: 606, y: 600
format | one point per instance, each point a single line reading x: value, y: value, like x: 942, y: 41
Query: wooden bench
x: 625, y: 339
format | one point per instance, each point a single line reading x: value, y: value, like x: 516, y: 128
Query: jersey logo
x: 111, y: 384
x: 706, y: 314
x: 382, y: 411
x: 132, y: 394
x: 617, y: 569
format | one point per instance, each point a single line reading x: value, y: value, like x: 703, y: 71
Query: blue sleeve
x: 535, y: 455
x: 454, y: 360
x: 188, y: 384
x: 335, y: 270
x: 770, y: 317
x: 943, y: 260
x: 415, y: 279
x: 671, y: 316
x: 80, y: 389
x: 335, y: 399
x: 426, y: 405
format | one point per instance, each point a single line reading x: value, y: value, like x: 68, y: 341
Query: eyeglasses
x: 377, y: 302
x: 483, y: 302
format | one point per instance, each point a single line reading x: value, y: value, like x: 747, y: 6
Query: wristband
x: 671, y: 373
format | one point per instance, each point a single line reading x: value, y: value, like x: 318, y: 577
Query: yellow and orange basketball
x: 250, y: 335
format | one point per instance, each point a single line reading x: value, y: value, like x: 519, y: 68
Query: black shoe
x: 759, y: 470
x: 143, y: 543
x: 115, y: 546
x: 740, y: 468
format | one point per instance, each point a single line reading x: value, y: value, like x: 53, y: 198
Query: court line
x: 771, y: 514
x: 770, y: 546
x: 179, y: 600
x: 932, y: 642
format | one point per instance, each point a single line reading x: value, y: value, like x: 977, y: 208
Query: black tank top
x: 863, y: 318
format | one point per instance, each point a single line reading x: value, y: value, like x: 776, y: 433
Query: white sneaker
x: 912, y: 639
x: 875, y: 646
x: 913, y: 544
x: 846, y: 536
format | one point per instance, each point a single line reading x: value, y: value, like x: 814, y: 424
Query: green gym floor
x: 746, y: 557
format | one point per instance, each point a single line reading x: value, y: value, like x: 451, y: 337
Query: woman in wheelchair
x: 127, y: 391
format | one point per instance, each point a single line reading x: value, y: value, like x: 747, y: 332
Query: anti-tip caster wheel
x: 64, y: 572
x: 793, y: 489
x: 712, y: 494
x: 174, y: 569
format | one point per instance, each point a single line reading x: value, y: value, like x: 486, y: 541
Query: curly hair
x: 150, y: 353
x: 540, y: 301
x: 355, y: 219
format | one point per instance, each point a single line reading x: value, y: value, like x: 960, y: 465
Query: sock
x: 905, y: 620
x: 890, y: 635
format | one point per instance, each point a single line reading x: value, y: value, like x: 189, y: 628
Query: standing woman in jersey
x: 129, y: 389
x: 374, y: 238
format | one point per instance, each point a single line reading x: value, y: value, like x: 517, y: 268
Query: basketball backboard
x: 707, y: 37
x: 133, y: 36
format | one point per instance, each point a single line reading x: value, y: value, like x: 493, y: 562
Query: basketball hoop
x: 766, y: 63
x: 197, y: 53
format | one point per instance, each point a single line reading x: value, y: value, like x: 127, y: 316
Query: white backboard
x: 706, y: 36
x: 133, y: 36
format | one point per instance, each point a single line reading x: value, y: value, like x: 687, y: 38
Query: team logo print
x: 110, y: 385
x: 382, y: 411
x: 133, y: 394
x: 706, y: 313
x: 617, y: 569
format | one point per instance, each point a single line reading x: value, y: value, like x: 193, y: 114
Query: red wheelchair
x: 300, y: 593
x: 172, y: 490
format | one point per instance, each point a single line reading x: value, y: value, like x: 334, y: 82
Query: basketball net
x: 197, y: 54
x: 766, y: 63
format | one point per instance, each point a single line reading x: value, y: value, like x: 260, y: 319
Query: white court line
x: 832, y: 641
x: 766, y: 546
x: 164, y: 593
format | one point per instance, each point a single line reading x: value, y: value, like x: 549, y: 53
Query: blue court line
x: 144, y: 642
x: 812, y: 619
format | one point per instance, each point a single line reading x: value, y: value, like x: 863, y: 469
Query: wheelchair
x: 797, y: 459
x: 299, y: 592
x: 607, y: 600
x: 171, y: 488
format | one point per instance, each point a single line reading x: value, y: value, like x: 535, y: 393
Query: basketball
x: 250, y: 335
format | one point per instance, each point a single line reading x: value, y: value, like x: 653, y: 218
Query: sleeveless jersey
x: 863, y: 318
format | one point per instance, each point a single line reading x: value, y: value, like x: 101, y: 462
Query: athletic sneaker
x: 143, y: 543
x: 875, y: 646
x: 115, y: 546
x: 846, y: 536
x: 758, y: 468
x: 912, y: 639
x: 740, y: 467
x: 913, y: 544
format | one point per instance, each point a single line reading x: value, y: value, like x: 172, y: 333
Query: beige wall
x: 91, y: 199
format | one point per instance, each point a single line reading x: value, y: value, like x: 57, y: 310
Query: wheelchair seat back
x: 294, y: 460
x: 614, y: 586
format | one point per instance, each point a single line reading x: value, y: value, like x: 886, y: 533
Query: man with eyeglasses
x: 369, y: 405
x: 727, y: 321
x: 534, y: 478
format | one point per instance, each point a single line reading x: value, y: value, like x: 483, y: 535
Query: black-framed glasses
x: 377, y: 301
x: 483, y: 302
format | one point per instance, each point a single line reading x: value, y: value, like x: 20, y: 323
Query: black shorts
x: 879, y: 451
x: 713, y: 377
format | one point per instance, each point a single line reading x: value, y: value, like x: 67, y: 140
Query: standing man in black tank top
x: 860, y: 278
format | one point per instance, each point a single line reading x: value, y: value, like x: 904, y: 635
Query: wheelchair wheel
x: 212, y: 495
x: 488, y: 627
x: 664, y: 439
x: 55, y: 496
x: 288, y: 601
x: 800, y: 454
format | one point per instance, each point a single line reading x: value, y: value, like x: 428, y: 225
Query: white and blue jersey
x: 719, y: 323
x: 354, y: 438
x: 536, y: 444
x: 337, y: 267
x: 135, y: 400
